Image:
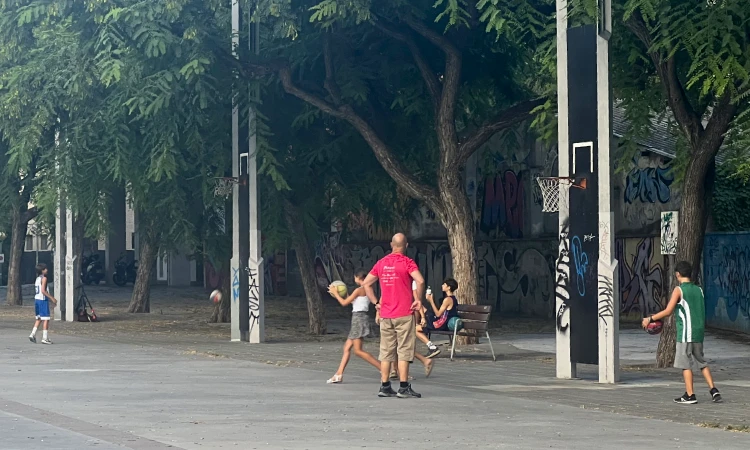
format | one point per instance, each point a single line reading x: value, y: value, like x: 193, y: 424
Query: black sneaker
x: 386, y: 391
x: 686, y: 399
x: 715, y: 395
x: 433, y: 352
x: 32, y: 339
x: 407, y: 392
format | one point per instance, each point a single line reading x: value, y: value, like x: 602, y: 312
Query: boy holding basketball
x: 690, y: 313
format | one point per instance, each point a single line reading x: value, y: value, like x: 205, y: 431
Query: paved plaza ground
x: 169, y: 380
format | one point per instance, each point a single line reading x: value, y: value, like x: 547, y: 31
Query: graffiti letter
x: 581, y: 261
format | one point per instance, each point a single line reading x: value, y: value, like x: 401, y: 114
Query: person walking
x: 42, y: 298
x: 396, y: 272
x: 689, y: 308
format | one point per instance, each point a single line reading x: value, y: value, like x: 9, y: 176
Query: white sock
x: 33, y: 332
x: 430, y: 344
x: 44, y: 334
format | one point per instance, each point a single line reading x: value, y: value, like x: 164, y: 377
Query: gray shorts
x: 689, y: 356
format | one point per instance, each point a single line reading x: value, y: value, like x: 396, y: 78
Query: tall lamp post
x: 2, y: 256
x: 247, y: 308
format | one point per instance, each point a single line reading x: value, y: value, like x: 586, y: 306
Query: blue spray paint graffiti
x: 235, y: 284
x: 581, y: 261
x: 727, y: 280
x: 649, y: 185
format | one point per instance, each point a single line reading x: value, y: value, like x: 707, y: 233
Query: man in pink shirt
x: 396, y: 272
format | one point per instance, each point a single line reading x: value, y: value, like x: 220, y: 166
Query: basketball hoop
x: 223, y: 186
x: 550, y: 187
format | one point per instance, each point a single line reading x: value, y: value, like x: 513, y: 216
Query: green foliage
x: 731, y: 201
x: 707, y: 41
x: 98, y: 95
x: 332, y: 175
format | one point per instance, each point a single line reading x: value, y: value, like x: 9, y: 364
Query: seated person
x: 437, y: 319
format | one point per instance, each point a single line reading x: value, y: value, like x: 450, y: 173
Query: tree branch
x: 507, y: 118
x: 445, y: 121
x: 380, y: 149
x: 683, y: 111
x: 430, y: 79
x: 285, y: 74
x: 29, y: 214
x: 718, y: 124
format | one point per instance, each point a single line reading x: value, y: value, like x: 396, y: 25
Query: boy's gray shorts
x: 689, y: 356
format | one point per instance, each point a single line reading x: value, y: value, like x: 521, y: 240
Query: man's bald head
x: 399, y: 243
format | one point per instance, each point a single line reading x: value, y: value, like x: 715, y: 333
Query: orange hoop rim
x: 580, y: 184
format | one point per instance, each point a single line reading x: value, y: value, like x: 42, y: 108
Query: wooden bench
x: 474, y: 317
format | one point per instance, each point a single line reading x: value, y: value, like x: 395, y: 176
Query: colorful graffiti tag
x: 502, y: 206
x: 517, y: 278
x: 642, y: 275
x: 727, y: 280
x: 649, y: 184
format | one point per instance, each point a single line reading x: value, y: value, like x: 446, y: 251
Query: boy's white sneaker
x: 46, y: 341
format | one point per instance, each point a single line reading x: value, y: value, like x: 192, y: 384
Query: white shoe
x: 46, y: 341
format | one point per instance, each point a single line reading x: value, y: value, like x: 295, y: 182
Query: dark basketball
x: 655, y: 327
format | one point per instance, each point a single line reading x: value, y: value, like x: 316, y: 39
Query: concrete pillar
x: 247, y: 308
x: 255, y: 264
x: 59, y: 262
x: 608, y: 291
x: 256, y: 291
x: 564, y: 367
x: 117, y: 236
x: 235, y: 262
x: 72, y: 279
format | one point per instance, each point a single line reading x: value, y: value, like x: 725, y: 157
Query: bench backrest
x: 475, y: 317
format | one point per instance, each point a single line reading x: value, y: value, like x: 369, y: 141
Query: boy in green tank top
x: 689, y: 307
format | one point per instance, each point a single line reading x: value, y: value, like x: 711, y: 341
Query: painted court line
x: 101, y: 433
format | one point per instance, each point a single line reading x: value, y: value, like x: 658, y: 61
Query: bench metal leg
x: 453, y: 347
x: 491, y: 349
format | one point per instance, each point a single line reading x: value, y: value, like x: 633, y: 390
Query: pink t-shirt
x: 395, y: 285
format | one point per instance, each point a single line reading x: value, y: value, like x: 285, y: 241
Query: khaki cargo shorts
x: 398, y: 338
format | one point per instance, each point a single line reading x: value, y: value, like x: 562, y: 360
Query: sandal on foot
x: 335, y: 379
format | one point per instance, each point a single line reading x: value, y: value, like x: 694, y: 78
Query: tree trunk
x: 222, y: 312
x: 14, y: 296
x: 315, y: 310
x: 140, y: 302
x: 692, y: 230
x: 459, y: 221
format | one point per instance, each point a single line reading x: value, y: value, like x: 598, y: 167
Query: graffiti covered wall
x: 643, y: 276
x: 726, y: 269
x: 514, y: 277
x: 642, y: 193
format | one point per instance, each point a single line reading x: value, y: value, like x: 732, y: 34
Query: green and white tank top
x: 690, y: 314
